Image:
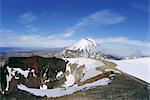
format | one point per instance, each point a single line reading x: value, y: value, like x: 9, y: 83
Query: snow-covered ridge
x: 139, y: 68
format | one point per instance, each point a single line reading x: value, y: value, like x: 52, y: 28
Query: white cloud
x: 68, y: 33
x: 34, y: 40
x: 32, y: 28
x: 122, y: 46
x: 141, y: 6
x: 99, y: 18
x: 28, y: 17
x: 120, y: 51
x: 3, y: 30
x: 104, y: 17
x: 122, y: 41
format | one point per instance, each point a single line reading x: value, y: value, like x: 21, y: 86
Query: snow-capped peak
x: 83, y: 48
x: 83, y: 44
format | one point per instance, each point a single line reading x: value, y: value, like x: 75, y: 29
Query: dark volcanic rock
x: 44, y: 69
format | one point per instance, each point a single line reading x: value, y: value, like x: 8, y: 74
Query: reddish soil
x: 32, y: 63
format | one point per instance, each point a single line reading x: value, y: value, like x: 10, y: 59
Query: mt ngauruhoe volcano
x: 83, y: 48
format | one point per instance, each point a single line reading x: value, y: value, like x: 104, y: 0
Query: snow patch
x: 59, y: 74
x: 13, y: 71
x: 139, y: 68
x: 70, y: 80
x: 43, y: 86
x: 33, y: 71
x: 89, y: 70
x: 46, y: 81
x: 57, y: 92
x: 22, y: 72
x: 90, y: 73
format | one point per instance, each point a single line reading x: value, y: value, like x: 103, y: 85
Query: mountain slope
x: 83, y: 48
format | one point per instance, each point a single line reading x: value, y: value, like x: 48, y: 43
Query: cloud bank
x: 119, y: 46
x: 122, y: 41
x: 34, y: 40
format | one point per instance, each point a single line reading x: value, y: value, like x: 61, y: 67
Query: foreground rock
x: 123, y: 87
x: 31, y: 71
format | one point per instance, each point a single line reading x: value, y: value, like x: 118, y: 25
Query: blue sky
x: 58, y: 23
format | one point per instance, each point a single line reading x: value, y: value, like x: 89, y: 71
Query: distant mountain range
x: 29, y: 49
